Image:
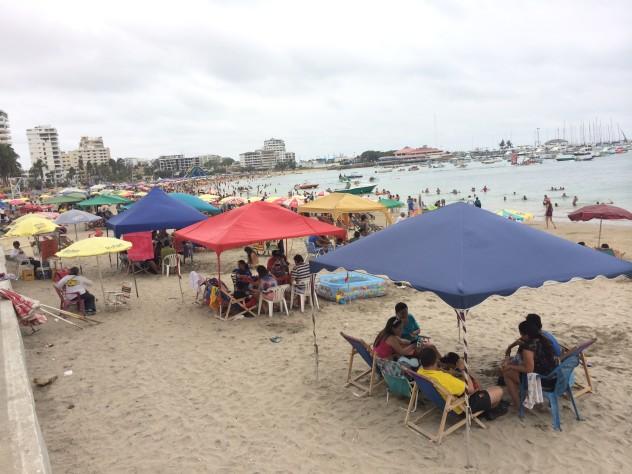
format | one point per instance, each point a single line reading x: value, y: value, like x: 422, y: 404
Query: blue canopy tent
x: 195, y: 202
x: 465, y: 255
x: 156, y: 211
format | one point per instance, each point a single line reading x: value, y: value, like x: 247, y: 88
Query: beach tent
x: 103, y: 200
x: 156, y: 211
x: 255, y: 222
x: 464, y: 255
x: 64, y: 199
x: 337, y: 204
x: 195, y: 202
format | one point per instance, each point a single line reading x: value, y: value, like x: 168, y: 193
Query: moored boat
x: 563, y: 157
x: 357, y: 190
x: 306, y: 186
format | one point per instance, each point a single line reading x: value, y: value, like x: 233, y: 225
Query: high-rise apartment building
x: 5, y: 131
x: 44, y: 145
x: 272, y: 153
x: 91, y: 150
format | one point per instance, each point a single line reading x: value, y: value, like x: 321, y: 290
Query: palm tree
x: 37, y: 170
x: 9, y: 164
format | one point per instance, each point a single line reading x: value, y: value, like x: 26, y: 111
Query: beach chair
x: 278, y: 297
x: 396, y: 382
x: 562, y: 373
x: 172, y: 260
x: 308, y: 292
x: 119, y: 298
x: 580, y: 388
x: 230, y: 303
x: 65, y: 302
x: 441, y: 399
x: 358, y: 346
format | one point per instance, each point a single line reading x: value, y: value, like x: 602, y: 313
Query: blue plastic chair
x: 563, y: 374
x: 358, y: 346
x: 565, y: 378
x: 312, y: 250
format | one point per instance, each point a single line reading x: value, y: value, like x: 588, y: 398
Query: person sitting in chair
x: 74, y: 285
x: 479, y: 400
x: 389, y: 343
x: 17, y: 255
x: 265, y: 282
x: 279, y: 267
x: 243, y: 279
x: 410, y: 330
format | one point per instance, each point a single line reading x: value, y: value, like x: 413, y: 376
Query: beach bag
x: 215, y: 300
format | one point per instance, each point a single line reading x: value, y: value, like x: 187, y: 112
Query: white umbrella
x: 75, y: 217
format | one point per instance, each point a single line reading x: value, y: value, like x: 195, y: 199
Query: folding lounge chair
x: 232, y: 303
x: 580, y: 389
x: 396, y: 382
x: 433, y: 392
x: 358, y: 346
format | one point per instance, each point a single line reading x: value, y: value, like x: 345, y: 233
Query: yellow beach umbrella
x: 30, y: 225
x: 140, y: 194
x: 93, y: 247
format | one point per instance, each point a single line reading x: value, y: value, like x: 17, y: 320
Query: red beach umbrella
x: 601, y: 212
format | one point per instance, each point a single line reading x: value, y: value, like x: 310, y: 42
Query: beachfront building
x: 44, y: 145
x: 272, y: 153
x: 178, y: 163
x: 5, y: 131
x: 412, y: 155
x: 91, y: 150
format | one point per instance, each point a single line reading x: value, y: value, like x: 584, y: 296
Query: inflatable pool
x: 342, y: 288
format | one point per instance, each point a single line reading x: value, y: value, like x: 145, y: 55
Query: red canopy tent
x: 255, y: 222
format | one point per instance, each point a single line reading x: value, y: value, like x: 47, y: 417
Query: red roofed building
x: 408, y: 154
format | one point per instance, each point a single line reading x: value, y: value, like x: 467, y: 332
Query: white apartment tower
x: 272, y: 153
x: 5, y: 131
x: 91, y: 150
x: 44, y: 145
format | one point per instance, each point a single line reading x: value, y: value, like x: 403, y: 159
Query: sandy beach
x: 166, y: 387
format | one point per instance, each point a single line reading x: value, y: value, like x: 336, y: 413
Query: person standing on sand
x: 477, y: 202
x: 574, y: 201
x: 548, y: 215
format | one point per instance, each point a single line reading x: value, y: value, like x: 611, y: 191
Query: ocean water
x: 604, y: 179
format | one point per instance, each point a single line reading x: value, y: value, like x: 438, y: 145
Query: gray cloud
x: 335, y: 77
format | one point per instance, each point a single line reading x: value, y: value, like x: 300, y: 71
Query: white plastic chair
x: 169, y: 262
x: 308, y: 293
x: 278, y: 296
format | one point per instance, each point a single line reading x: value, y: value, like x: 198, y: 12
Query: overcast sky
x: 196, y: 77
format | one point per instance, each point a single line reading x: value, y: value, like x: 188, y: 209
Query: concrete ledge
x: 22, y: 446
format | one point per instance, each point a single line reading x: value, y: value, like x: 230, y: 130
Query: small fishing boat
x: 413, y: 168
x: 584, y: 158
x: 357, y: 190
x: 563, y: 157
x: 306, y: 186
x: 385, y: 170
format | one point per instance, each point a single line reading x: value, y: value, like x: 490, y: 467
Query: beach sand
x: 165, y: 387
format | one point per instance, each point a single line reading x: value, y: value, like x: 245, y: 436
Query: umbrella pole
x: 219, y: 269
x: 76, y: 234
x: 101, y: 279
x: 313, y: 291
x: 599, y: 238
x: 468, y: 411
x: 135, y: 284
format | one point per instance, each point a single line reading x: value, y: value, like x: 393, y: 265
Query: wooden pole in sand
x: 101, y: 279
x: 313, y: 291
x: 462, y: 313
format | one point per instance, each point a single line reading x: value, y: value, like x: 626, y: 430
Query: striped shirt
x: 301, y: 272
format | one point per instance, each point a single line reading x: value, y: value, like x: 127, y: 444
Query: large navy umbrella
x: 465, y: 255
